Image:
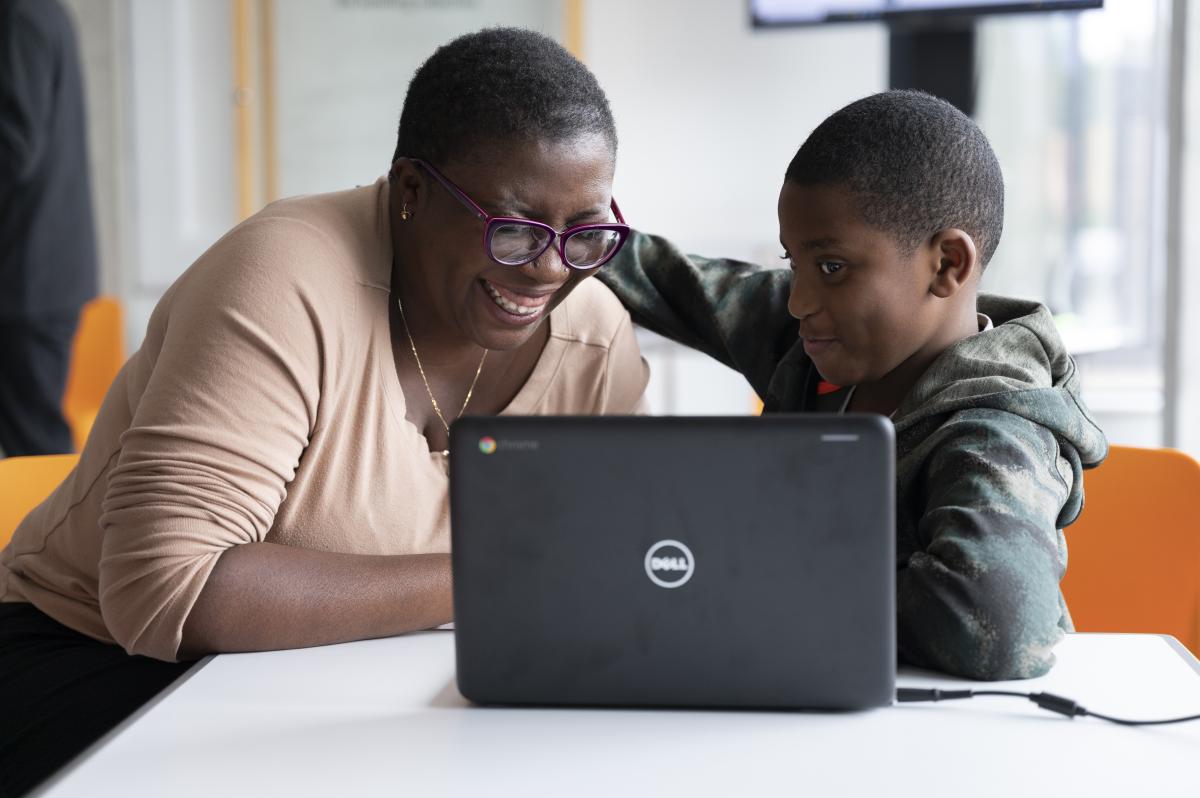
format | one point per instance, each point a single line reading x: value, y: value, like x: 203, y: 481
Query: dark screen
x: 770, y: 13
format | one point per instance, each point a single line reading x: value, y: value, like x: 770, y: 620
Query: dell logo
x: 669, y: 563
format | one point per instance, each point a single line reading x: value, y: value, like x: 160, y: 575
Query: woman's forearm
x: 264, y: 596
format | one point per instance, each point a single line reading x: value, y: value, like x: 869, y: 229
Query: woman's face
x: 561, y: 184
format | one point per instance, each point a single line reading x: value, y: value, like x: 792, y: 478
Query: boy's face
x: 861, y: 298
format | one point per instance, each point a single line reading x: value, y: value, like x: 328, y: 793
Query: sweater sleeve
x: 227, y: 406
x: 732, y: 311
x: 981, y: 599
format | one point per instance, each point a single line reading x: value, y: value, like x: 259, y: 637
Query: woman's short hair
x: 496, y: 84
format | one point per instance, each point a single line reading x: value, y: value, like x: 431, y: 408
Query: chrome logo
x: 487, y: 445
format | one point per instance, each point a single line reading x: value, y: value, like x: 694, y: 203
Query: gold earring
x: 405, y: 213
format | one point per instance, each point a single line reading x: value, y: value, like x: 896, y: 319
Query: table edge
x: 87, y: 753
x: 1187, y: 656
x: 1182, y: 651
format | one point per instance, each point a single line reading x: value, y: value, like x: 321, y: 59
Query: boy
x: 888, y: 215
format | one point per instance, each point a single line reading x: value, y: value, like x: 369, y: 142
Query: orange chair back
x: 25, y: 482
x: 1133, y: 557
x: 97, y: 354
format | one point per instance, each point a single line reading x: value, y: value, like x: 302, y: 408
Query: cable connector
x: 1056, y: 703
x: 931, y: 694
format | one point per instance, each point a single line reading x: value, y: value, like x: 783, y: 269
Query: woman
x: 269, y: 470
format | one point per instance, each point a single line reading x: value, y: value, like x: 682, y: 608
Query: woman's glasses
x: 512, y: 241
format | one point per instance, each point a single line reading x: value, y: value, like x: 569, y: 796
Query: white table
x: 383, y: 717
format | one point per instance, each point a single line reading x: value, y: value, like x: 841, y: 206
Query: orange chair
x: 97, y: 354
x: 25, y: 482
x: 1133, y: 557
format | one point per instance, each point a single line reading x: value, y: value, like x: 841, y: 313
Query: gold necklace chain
x: 432, y: 399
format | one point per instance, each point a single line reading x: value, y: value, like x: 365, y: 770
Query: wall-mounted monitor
x: 771, y: 13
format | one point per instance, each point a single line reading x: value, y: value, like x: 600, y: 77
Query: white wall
x: 181, y: 169
x: 158, y: 81
x: 1189, y: 396
x: 342, y: 70
x: 98, y: 26
x: 709, y: 113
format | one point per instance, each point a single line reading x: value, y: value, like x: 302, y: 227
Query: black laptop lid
x: 674, y: 561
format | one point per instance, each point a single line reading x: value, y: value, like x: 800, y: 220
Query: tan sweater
x: 264, y: 405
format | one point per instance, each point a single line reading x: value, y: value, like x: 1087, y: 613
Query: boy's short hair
x: 916, y: 165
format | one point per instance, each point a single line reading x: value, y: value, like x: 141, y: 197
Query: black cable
x: 1049, y: 701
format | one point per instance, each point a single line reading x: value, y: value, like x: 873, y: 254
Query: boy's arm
x: 732, y: 311
x: 982, y: 598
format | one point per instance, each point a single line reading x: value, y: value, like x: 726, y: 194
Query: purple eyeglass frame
x: 493, y: 222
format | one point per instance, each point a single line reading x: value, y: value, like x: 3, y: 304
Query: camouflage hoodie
x: 991, y: 443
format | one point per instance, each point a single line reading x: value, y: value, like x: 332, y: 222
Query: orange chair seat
x: 1133, y: 557
x: 25, y: 482
x: 97, y: 354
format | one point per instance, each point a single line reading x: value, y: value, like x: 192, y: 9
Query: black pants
x: 34, y: 359
x: 60, y: 691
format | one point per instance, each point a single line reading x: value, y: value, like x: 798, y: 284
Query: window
x: 1075, y: 106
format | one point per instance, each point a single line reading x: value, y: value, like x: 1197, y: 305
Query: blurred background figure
x: 47, y: 243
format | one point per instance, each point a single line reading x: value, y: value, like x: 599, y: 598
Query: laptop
x: 675, y: 562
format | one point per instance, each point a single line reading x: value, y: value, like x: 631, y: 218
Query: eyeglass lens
x: 515, y: 244
x: 589, y: 247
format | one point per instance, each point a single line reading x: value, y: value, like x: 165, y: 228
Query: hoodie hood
x: 1021, y: 367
